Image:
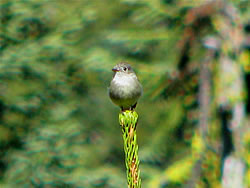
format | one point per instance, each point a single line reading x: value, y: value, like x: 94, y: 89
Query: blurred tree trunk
x: 230, y: 98
x: 220, y: 90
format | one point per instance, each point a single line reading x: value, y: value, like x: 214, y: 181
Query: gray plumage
x: 125, y: 89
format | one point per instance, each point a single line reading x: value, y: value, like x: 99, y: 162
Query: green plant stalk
x: 128, y: 121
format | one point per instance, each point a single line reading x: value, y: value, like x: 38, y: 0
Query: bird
x: 125, y: 88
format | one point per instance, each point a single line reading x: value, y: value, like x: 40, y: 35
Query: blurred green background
x: 58, y: 127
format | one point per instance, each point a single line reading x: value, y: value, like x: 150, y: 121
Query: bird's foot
x: 132, y: 108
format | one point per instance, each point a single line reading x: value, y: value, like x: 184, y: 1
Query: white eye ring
x: 125, y: 69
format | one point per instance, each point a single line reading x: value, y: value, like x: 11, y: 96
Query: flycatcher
x: 125, y: 88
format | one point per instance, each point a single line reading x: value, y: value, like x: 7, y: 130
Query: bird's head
x: 123, y: 68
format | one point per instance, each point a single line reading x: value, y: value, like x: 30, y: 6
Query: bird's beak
x: 115, y: 70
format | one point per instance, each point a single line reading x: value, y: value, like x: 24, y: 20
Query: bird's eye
x: 124, y: 68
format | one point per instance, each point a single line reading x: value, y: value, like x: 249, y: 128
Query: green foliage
x: 58, y: 127
x: 128, y: 121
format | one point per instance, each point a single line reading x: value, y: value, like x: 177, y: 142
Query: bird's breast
x: 123, y: 87
x: 124, y: 80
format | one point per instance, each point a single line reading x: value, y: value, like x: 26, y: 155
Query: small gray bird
x: 125, y: 89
